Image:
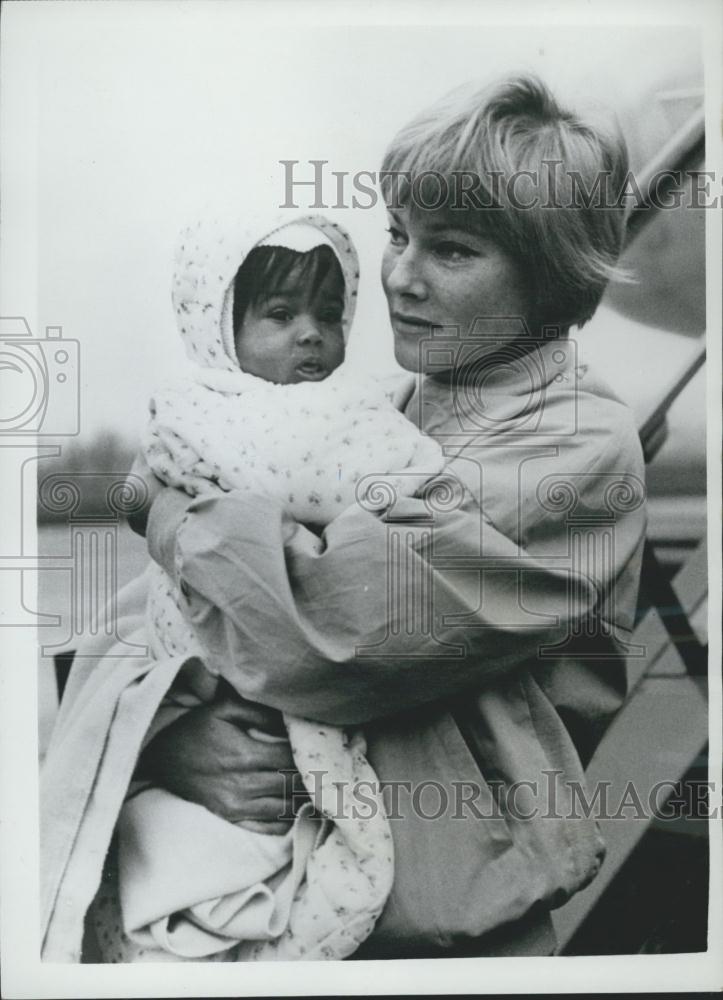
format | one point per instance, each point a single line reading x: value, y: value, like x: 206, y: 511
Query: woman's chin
x: 408, y: 356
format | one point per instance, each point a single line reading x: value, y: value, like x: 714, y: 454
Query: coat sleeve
x: 387, y: 613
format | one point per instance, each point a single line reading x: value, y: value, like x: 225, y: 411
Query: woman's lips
x: 411, y: 324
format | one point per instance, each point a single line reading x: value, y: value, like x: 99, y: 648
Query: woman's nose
x: 404, y: 276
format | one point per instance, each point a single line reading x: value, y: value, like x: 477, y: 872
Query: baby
x: 283, y: 420
x: 265, y: 409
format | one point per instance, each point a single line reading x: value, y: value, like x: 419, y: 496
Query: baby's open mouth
x: 312, y: 370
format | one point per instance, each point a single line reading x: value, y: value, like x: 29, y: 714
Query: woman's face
x: 437, y: 275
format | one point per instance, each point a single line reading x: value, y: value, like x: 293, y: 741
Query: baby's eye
x: 280, y: 314
x: 396, y: 236
x: 451, y: 251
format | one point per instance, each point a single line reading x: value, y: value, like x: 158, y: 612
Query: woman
x: 477, y: 631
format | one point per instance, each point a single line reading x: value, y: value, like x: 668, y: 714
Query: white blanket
x: 317, y: 446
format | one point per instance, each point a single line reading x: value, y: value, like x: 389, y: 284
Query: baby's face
x: 291, y: 336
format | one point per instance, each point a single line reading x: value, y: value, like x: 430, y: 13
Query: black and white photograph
x: 360, y: 429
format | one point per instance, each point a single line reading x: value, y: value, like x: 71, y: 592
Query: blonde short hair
x: 509, y: 161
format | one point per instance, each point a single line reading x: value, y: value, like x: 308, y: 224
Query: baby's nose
x: 308, y: 331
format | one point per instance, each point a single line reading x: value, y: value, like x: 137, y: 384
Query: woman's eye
x: 332, y: 317
x: 449, y: 250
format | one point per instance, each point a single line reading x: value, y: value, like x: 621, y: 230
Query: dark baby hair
x: 266, y: 269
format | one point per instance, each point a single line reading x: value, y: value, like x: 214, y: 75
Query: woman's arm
x: 141, y: 473
x: 207, y: 755
x: 350, y: 634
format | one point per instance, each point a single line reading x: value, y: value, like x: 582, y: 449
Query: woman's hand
x: 207, y: 757
x: 138, y: 518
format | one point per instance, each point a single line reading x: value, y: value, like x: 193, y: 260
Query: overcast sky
x: 146, y: 111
